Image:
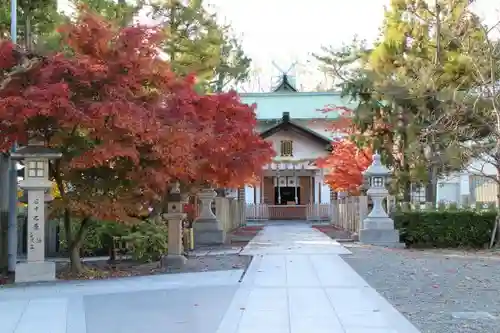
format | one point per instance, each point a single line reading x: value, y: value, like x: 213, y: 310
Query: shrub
x: 450, y: 228
x: 146, y: 241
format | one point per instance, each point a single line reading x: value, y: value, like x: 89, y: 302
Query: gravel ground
x: 438, y: 291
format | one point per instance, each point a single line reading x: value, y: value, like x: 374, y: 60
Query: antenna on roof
x: 278, y: 67
x: 284, y: 82
x: 292, y: 66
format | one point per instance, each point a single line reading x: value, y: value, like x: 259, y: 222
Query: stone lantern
x: 378, y: 227
x: 36, y: 182
x: 174, y: 216
x: 207, y: 229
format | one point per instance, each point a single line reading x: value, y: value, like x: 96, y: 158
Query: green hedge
x: 445, y: 229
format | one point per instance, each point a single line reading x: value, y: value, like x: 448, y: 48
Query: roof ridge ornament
x: 284, y: 83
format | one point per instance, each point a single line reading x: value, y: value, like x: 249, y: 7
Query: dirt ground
x: 334, y: 232
x: 104, y: 270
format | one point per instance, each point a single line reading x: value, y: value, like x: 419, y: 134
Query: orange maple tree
x: 346, y: 164
x: 347, y: 161
x: 126, y: 125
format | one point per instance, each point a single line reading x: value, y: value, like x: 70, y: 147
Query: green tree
x: 193, y: 37
x: 234, y: 65
x: 35, y: 19
x: 399, y: 83
x: 120, y: 12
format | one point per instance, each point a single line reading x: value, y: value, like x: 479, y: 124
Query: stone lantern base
x: 380, y: 232
x: 206, y: 228
x: 37, y: 271
x: 208, y: 232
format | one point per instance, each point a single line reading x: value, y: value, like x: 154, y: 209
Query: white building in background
x: 300, y: 133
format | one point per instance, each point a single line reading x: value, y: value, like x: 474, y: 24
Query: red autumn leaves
x: 345, y: 165
x: 126, y: 124
x: 346, y: 162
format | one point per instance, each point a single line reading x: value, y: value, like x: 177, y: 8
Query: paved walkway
x: 175, y: 303
x: 296, y: 283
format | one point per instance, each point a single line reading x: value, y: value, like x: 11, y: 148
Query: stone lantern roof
x: 35, y: 151
x: 377, y: 168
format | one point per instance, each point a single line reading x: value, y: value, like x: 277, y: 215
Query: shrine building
x: 300, y: 133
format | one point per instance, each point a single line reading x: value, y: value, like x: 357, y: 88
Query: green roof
x: 300, y: 105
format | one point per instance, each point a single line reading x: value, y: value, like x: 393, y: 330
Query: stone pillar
x: 35, y: 268
x: 4, y: 211
x: 262, y: 189
x: 317, y: 189
x: 258, y: 194
x: 36, y: 160
x: 295, y: 185
x: 278, y: 186
x: 207, y: 230
x: 50, y: 232
x: 378, y: 227
x: 311, y: 190
x: 175, y: 255
x: 174, y: 216
x: 36, y: 226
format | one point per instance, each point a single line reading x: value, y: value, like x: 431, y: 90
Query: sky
x: 288, y: 31
x: 283, y: 32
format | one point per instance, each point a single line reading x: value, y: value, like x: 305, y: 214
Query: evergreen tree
x: 194, y: 39
x: 197, y: 43
x: 400, y: 84
x: 35, y: 19
x: 234, y: 66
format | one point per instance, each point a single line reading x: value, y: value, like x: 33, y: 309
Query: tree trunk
x: 74, y: 257
x: 495, y: 233
x: 431, y: 187
x: 27, y: 31
x: 407, y: 191
x: 75, y: 243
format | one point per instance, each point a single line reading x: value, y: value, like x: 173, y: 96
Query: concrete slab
x: 179, y: 303
x: 192, y: 310
x: 10, y: 314
x: 292, y: 238
x: 297, y: 282
x: 43, y: 315
x: 132, y: 284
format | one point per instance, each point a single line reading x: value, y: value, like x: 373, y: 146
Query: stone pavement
x: 296, y: 283
x: 176, y: 303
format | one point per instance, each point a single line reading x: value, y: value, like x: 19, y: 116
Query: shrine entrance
x: 286, y: 195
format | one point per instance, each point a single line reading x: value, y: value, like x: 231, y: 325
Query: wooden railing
x: 319, y: 212
x: 348, y: 213
x: 312, y: 212
x: 259, y: 212
x: 287, y: 212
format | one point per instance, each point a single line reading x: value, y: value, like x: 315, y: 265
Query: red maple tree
x: 126, y: 125
x: 234, y: 153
